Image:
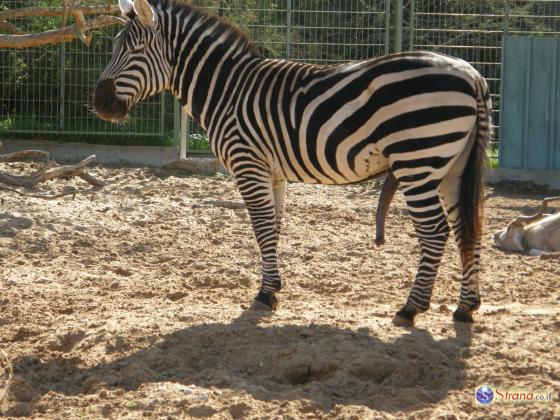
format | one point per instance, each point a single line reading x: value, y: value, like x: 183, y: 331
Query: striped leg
x: 469, y: 298
x: 259, y: 199
x: 430, y: 222
x: 279, y: 190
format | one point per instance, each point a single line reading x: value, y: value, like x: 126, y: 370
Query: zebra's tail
x: 472, y: 182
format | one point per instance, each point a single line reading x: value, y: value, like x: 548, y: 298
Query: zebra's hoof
x: 265, y: 302
x: 405, y: 317
x: 462, y: 315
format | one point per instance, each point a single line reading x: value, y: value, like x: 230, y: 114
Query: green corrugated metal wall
x: 530, y: 109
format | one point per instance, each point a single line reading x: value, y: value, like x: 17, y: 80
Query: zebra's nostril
x: 104, y: 92
x: 106, y: 103
x: 106, y: 86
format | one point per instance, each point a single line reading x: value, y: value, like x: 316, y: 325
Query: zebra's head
x: 139, y: 66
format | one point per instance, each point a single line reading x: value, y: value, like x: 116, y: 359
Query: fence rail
x: 47, y: 92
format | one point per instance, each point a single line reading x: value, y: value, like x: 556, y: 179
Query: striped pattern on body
x: 423, y: 116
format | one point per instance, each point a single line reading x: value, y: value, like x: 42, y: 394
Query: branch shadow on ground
x: 319, y: 363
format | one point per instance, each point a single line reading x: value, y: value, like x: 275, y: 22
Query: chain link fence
x: 47, y: 92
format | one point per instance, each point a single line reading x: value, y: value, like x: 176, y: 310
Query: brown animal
x: 537, y: 234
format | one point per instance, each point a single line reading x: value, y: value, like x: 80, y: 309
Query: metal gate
x: 531, y: 109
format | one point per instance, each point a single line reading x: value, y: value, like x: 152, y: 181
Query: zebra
x: 421, y: 116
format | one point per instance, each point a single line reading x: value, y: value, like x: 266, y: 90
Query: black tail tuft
x: 471, y: 204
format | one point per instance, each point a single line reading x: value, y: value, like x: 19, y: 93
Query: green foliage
x: 199, y: 142
x: 81, y: 130
x: 493, y: 156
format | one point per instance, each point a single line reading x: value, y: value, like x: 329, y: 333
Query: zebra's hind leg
x: 469, y: 298
x: 279, y: 190
x: 430, y: 223
x: 259, y: 198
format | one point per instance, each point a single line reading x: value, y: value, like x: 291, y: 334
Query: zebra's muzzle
x: 106, y: 103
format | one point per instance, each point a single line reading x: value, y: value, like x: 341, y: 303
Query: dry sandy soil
x: 133, y: 305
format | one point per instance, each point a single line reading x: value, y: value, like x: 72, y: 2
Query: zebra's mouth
x: 106, y: 103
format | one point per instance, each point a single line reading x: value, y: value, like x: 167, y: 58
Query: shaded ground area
x: 132, y: 305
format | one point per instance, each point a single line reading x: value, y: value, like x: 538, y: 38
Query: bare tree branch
x: 55, y: 36
x: 11, y: 28
x: 66, y: 4
x: 59, y: 11
x: 25, y: 154
x: 17, y: 38
x: 52, y: 170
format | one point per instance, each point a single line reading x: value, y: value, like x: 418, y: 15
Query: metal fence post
x: 176, y: 121
x: 411, y: 26
x: 289, y: 29
x: 185, y: 134
x: 162, y: 115
x: 399, y: 26
x: 62, y: 83
x: 387, y: 26
x: 502, y: 72
x: 506, y: 17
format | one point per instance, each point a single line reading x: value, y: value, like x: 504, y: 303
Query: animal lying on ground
x: 423, y: 116
x: 535, y: 234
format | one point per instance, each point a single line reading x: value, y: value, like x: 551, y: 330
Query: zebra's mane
x: 177, y: 5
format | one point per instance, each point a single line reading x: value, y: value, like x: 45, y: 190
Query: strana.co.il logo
x: 484, y: 395
x: 487, y: 395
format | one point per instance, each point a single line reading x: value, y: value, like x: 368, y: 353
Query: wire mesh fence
x: 473, y: 31
x: 48, y: 91
x: 316, y: 31
x: 336, y: 31
x: 312, y: 31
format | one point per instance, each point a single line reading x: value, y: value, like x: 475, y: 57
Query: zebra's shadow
x: 320, y: 363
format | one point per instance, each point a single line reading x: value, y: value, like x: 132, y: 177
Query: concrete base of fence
x: 153, y: 156
x: 195, y: 165
x: 551, y: 179
x: 167, y: 157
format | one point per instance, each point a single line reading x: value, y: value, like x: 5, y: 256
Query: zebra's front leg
x: 430, y: 223
x: 259, y: 199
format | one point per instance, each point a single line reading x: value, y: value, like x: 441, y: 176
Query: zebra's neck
x: 206, y: 54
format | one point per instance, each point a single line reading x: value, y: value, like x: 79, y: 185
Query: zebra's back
x: 347, y: 123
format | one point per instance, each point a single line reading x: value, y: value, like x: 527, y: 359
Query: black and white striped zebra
x: 424, y: 117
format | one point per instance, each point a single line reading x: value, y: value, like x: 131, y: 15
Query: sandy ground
x: 132, y: 305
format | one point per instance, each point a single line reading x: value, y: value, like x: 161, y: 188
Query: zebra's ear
x: 126, y: 7
x: 145, y: 13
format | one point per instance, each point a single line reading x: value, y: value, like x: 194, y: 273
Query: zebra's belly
x: 367, y: 164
